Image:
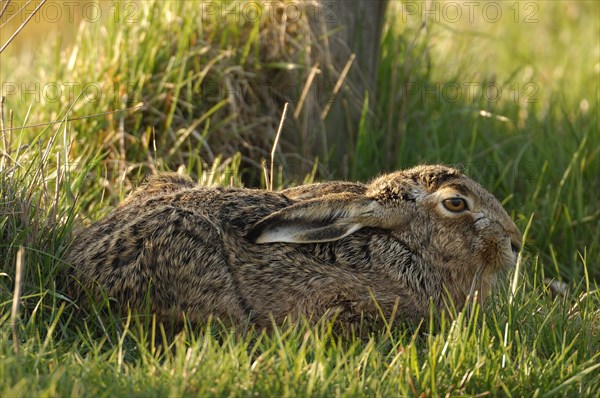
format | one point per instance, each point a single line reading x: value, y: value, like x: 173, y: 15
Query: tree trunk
x: 352, y: 31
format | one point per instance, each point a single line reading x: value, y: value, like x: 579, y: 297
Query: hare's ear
x: 318, y: 220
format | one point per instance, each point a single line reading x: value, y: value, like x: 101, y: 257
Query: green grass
x: 539, y: 153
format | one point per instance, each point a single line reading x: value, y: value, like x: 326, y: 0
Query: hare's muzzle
x: 516, y: 248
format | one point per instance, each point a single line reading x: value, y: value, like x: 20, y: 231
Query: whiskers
x: 477, y: 286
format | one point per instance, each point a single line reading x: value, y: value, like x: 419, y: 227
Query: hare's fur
x: 351, y: 250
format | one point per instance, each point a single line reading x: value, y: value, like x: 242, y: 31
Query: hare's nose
x: 515, y: 246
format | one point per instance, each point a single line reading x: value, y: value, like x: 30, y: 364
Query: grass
x: 537, y: 148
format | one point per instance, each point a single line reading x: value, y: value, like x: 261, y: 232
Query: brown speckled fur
x: 193, y: 249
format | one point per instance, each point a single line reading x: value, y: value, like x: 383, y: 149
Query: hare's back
x: 231, y: 210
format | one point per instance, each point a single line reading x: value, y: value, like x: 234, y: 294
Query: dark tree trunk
x: 350, y: 27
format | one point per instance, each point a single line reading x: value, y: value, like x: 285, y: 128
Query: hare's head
x: 459, y: 219
x: 447, y: 219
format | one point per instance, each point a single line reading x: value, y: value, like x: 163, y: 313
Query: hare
x: 350, y: 250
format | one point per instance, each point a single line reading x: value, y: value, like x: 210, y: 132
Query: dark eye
x: 455, y: 205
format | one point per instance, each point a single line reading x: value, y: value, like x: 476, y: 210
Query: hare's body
x: 251, y: 255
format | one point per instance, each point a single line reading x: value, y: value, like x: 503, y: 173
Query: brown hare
x: 350, y: 250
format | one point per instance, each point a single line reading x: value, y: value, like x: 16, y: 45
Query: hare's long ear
x: 318, y: 220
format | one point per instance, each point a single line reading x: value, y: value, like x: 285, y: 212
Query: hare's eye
x: 455, y: 205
